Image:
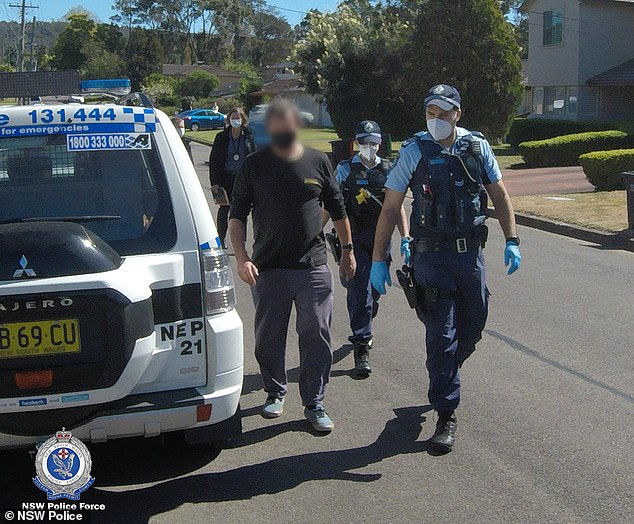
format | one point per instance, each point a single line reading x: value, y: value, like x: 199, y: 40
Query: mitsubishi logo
x: 24, y: 271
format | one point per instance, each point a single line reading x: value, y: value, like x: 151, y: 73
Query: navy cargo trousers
x: 362, y: 298
x: 311, y: 291
x: 453, y: 325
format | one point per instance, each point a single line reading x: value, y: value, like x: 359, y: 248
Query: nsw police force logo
x: 62, y: 465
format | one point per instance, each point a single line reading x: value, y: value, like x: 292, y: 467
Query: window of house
x: 573, y: 100
x: 555, y: 100
x: 538, y: 101
x: 553, y: 27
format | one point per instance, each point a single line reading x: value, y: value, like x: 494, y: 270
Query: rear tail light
x: 220, y: 294
x: 33, y: 379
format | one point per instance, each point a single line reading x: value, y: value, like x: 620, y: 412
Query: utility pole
x: 32, y: 64
x: 22, y: 37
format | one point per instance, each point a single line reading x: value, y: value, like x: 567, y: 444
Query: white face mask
x: 180, y: 131
x: 368, y: 151
x: 236, y: 122
x: 439, y: 129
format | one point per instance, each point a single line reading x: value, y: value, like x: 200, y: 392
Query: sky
x: 55, y: 9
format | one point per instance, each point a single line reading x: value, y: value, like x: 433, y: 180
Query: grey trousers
x: 311, y: 290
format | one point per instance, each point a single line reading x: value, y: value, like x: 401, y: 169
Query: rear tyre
x: 195, y: 127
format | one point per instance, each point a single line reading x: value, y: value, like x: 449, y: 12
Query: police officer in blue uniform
x: 450, y: 172
x: 362, y: 179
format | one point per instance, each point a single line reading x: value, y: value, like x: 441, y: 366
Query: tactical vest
x: 364, y: 193
x: 448, y: 190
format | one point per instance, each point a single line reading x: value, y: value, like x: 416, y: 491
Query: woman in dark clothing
x: 230, y: 148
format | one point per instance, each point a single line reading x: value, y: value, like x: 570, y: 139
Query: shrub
x: 604, y: 168
x: 199, y: 84
x: 528, y: 129
x: 170, y: 110
x: 565, y: 150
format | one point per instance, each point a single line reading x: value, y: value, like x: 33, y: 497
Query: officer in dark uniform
x: 362, y: 179
x: 450, y: 171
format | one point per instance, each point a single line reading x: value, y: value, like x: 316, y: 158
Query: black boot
x: 362, y: 359
x: 445, y: 435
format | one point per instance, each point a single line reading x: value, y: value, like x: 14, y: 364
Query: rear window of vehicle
x: 40, y: 178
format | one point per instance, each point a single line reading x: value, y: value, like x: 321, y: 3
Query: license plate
x: 46, y: 337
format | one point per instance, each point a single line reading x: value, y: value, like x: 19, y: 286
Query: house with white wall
x: 581, y: 59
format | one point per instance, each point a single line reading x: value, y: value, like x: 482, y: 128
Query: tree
x: 273, y: 38
x: 69, y: 52
x: 110, y: 38
x: 352, y: 58
x: 101, y: 63
x: 160, y: 88
x: 377, y: 61
x: 143, y: 55
x: 199, y: 84
x: 473, y: 49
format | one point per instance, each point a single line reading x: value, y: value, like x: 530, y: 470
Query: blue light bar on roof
x: 113, y: 86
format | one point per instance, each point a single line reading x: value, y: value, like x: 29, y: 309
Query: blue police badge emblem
x: 62, y: 467
x: 368, y: 127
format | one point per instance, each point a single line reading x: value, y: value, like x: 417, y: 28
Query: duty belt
x: 469, y: 242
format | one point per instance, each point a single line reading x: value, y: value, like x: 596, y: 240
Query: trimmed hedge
x: 604, y: 169
x: 565, y: 150
x: 529, y: 129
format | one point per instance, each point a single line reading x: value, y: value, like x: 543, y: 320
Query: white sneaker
x: 273, y: 407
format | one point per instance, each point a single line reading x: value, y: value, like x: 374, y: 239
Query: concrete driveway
x: 546, y: 181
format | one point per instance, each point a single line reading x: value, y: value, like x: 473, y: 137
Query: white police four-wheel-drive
x: 117, y: 304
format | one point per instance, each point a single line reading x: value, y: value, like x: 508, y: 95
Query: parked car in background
x: 197, y: 119
x: 257, y: 114
x: 258, y: 132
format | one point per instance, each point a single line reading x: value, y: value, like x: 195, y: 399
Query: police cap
x: 368, y: 132
x: 444, y: 96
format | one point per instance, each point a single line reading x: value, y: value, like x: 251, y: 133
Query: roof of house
x: 184, y: 69
x: 278, y: 87
x: 621, y: 75
x: 281, y: 65
x: 227, y: 90
x: 527, y: 3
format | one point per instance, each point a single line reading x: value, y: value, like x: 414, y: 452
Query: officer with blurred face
x: 362, y: 179
x: 450, y: 171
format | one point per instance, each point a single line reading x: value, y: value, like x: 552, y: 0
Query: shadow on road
x: 132, y: 462
x: 143, y: 461
x: 253, y: 383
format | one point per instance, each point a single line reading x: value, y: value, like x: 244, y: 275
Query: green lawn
x: 203, y: 136
x: 508, y: 157
x: 602, y: 210
x: 320, y: 139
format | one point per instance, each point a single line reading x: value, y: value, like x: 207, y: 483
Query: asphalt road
x: 545, y: 427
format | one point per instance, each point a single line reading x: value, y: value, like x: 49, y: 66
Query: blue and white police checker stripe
x: 409, y: 157
x: 144, y: 118
x: 343, y: 169
x: 40, y: 120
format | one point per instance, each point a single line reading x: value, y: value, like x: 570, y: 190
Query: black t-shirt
x: 286, y: 199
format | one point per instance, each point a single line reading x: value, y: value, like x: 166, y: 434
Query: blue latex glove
x: 406, y: 251
x: 513, y: 257
x: 379, y: 276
